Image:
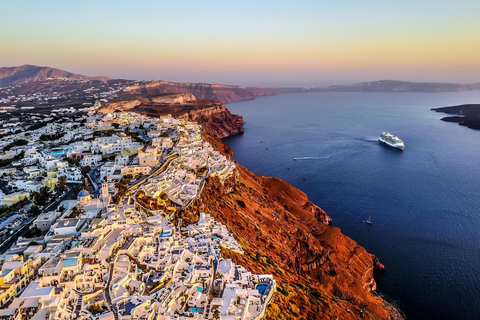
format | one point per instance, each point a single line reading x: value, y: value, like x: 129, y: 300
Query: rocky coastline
x: 214, y: 116
x: 322, y: 274
x: 465, y: 115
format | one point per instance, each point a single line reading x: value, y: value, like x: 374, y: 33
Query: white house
x: 121, y: 160
x: 67, y: 226
x: 90, y: 160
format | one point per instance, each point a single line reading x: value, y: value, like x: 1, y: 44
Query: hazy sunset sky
x: 305, y: 43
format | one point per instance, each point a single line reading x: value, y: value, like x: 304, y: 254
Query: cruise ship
x: 391, y: 140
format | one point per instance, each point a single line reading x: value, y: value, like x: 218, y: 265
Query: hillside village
x: 99, y: 197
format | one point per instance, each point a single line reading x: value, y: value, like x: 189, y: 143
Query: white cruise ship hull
x: 396, y: 146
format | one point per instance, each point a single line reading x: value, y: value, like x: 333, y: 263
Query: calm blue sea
x: 424, y: 202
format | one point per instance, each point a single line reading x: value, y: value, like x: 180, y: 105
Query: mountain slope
x: 11, y: 76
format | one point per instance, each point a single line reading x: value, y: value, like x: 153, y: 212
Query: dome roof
x: 83, y: 193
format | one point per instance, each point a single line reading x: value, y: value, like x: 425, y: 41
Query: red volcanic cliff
x: 212, y: 115
x: 321, y: 273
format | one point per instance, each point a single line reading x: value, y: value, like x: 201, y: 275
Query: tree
x: 33, y: 232
x: 19, y: 142
x: 77, y: 211
x: 61, y: 185
x: 122, y: 188
x: 95, y: 309
x: 34, y: 210
x: 86, y: 169
x: 216, y: 314
x: 41, y: 197
x: 70, y: 161
x: 62, y: 208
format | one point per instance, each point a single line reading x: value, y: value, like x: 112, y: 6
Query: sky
x: 264, y: 43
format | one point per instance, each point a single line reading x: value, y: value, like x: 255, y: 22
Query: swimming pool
x: 194, y: 310
x: 262, y: 288
x: 70, y: 262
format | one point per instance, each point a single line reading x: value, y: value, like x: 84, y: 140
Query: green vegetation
x: 49, y: 137
x: 34, y: 210
x: 16, y: 143
x: 70, y: 161
x: 37, y: 126
x: 95, y: 309
x: 86, y: 169
x: 77, y: 211
x: 61, y: 185
x: 33, y: 233
x: 41, y: 197
x: 6, y: 211
x: 122, y: 188
x: 7, y: 162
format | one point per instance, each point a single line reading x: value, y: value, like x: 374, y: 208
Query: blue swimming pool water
x: 261, y: 288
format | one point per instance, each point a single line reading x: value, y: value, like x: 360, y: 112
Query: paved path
x: 156, y: 173
x: 107, y: 292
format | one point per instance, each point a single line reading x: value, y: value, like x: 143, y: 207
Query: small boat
x: 369, y: 220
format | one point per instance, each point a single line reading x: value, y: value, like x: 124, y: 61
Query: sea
x: 424, y: 202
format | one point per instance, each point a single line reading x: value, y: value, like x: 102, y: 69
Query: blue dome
x: 83, y: 193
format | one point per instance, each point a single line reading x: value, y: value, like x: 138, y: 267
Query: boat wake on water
x: 312, y: 158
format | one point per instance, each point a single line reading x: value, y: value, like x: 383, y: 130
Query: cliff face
x: 217, y: 120
x: 174, y: 99
x: 322, y: 274
x: 213, y: 116
x: 28, y: 73
x: 206, y: 91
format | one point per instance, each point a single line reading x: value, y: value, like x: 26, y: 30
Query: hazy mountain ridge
x: 401, y: 86
x: 11, y: 76
x: 30, y: 78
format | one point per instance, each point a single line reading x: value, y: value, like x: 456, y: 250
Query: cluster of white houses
x: 122, y: 261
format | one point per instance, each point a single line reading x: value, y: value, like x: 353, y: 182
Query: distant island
x: 465, y: 115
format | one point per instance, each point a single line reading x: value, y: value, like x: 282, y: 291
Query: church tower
x: 105, y: 194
